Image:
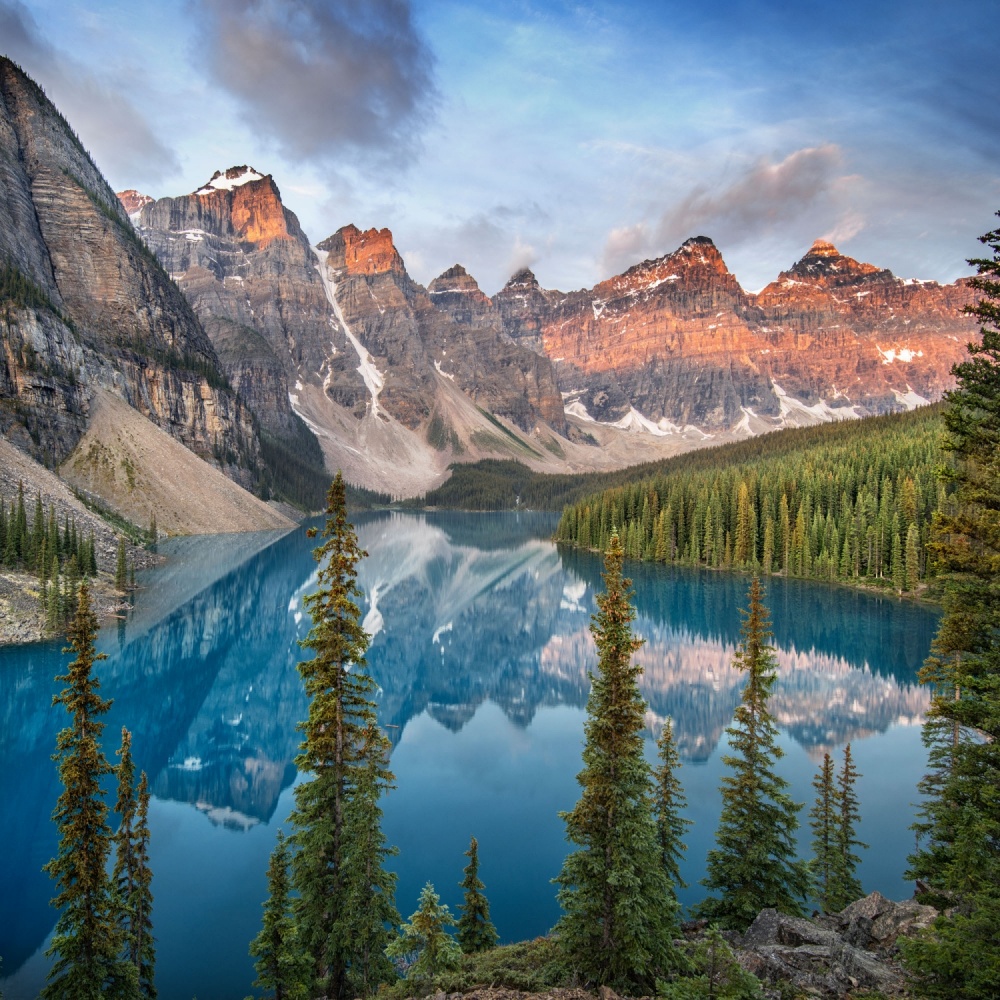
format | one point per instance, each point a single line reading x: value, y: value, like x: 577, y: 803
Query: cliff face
x: 417, y: 336
x: 675, y: 344
x: 246, y: 267
x: 88, y: 306
x: 846, y: 331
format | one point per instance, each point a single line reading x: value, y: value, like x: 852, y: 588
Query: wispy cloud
x: 761, y: 201
x: 118, y: 135
x: 322, y: 80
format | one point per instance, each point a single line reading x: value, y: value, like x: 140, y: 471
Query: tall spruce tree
x: 753, y: 864
x: 142, y: 951
x: 87, y: 941
x: 845, y: 886
x: 131, y: 878
x: 957, y: 863
x: 121, y: 570
x: 823, y: 820
x: 280, y: 964
x: 370, y: 889
x: 475, y: 929
x: 619, y: 915
x: 348, y: 771
x: 669, y: 804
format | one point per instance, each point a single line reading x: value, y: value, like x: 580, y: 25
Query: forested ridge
x: 847, y: 501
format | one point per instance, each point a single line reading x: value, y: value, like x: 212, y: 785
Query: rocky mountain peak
x: 822, y: 248
x: 133, y: 202
x: 366, y: 253
x: 455, y: 279
x: 826, y: 265
x: 234, y: 177
x: 238, y: 204
x: 525, y: 277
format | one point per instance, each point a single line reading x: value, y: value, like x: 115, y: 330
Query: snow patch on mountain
x: 373, y: 378
x: 910, y: 399
x: 232, y: 178
x: 901, y: 354
x: 794, y: 410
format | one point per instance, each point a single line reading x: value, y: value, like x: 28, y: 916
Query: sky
x: 574, y: 138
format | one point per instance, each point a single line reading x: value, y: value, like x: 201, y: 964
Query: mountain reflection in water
x: 464, y: 610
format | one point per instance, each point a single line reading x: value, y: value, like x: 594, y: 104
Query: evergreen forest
x: 852, y: 501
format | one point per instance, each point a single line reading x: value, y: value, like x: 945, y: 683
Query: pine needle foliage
x: 753, y: 865
x: 475, y: 929
x: 370, y: 890
x: 715, y: 974
x: 845, y: 886
x: 86, y: 944
x: 141, y: 942
x: 834, y: 818
x: 619, y: 910
x: 823, y: 820
x: 131, y: 877
x: 957, y: 861
x: 344, y: 898
x: 280, y: 965
x: 670, y: 804
x: 424, y: 943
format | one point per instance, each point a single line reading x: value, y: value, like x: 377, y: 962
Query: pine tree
x: 369, y: 889
x: 349, y: 771
x: 475, y: 929
x: 424, y: 943
x: 715, y: 974
x: 131, y: 876
x: 87, y: 942
x: 753, y: 864
x: 121, y: 578
x: 618, y: 916
x: 958, y: 858
x: 143, y: 953
x: 823, y: 820
x: 845, y: 887
x: 280, y: 965
x: 670, y: 804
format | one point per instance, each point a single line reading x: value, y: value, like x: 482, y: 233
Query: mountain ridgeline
x: 400, y: 382
x: 279, y: 360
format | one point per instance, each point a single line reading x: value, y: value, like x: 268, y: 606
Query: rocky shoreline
x: 22, y: 619
x: 843, y: 956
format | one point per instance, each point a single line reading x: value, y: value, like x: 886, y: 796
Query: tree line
x: 857, y: 507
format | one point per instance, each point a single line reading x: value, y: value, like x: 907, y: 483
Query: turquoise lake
x: 481, y: 651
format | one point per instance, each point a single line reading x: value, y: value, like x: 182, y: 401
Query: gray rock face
x: 417, y: 336
x: 832, y: 955
x: 102, y: 312
x: 680, y: 341
x: 246, y: 267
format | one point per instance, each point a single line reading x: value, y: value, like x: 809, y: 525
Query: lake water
x: 481, y: 651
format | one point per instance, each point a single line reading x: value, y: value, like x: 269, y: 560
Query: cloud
x: 522, y: 255
x: 322, y: 80
x: 120, y: 139
x: 491, y: 245
x: 766, y: 198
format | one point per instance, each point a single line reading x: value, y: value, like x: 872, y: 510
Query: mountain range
x: 276, y: 359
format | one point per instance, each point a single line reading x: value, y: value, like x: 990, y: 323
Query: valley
x: 277, y: 358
